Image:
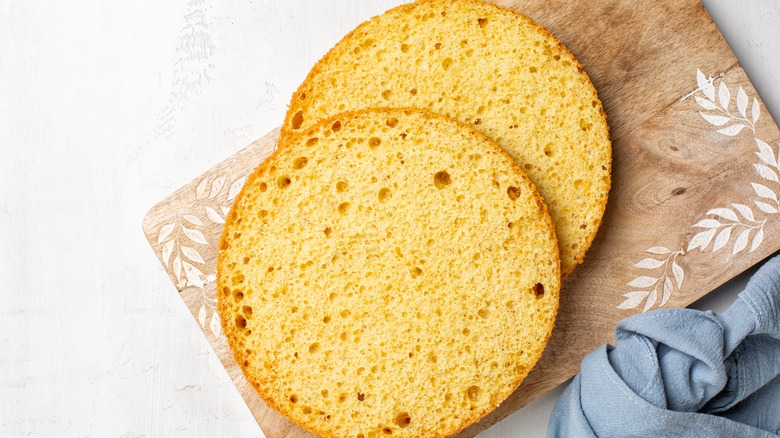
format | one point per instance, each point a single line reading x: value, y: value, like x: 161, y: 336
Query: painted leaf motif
x: 700, y: 78
x: 765, y: 172
x: 679, y: 274
x: 651, y: 300
x: 764, y: 191
x: 202, y: 315
x: 167, y: 249
x: 192, y: 254
x: 192, y: 219
x: 722, y: 239
x: 731, y: 130
x: 741, y: 241
x: 649, y: 263
x: 667, y: 290
x: 200, y: 191
x: 766, y: 208
x: 215, y: 326
x: 765, y: 153
x: 704, y: 103
x: 642, y: 281
x: 701, y: 240
x: 660, y: 250
x: 225, y: 210
x: 216, y: 186
x: 778, y: 154
x: 707, y: 223
x: 745, y: 211
x: 214, y: 216
x: 633, y: 299
x: 723, y: 95
x: 715, y: 120
x: 193, y: 274
x: 177, y: 268
x: 165, y: 231
x: 742, y: 101
x: 194, y: 235
x: 757, y: 239
x: 724, y: 213
x: 709, y: 90
x: 755, y: 110
x: 235, y: 188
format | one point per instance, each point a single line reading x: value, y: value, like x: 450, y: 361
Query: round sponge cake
x: 387, y: 272
x: 488, y: 67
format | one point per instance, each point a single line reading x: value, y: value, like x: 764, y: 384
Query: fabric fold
x: 683, y: 372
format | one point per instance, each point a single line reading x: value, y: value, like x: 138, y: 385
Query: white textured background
x: 107, y: 107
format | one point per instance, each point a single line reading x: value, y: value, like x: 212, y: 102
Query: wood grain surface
x: 679, y: 168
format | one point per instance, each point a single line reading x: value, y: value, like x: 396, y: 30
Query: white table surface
x: 106, y: 108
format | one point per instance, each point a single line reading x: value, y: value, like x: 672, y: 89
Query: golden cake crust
x: 442, y: 268
x: 493, y: 69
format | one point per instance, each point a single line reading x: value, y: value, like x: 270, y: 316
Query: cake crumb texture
x: 493, y: 69
x: 387, y: 272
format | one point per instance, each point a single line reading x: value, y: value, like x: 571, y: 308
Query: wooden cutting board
x: 694, y: 199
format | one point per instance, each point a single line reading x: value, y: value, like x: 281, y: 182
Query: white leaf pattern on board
x: 723, y: 95
x: 212, y: 196
x: 643, y: 281
x: 651, y: 299
x: 633, y: 299
x: 707, y: 223
x: 702, y: 240
x: 765, y: 153
x: 177, y: 268
x: 235, y: 188
x: 757, y: 239
x: 755, y: 110
x: 662, y: 268
x: 214, y: 216
x: 732, y: 124
x: 202, y: 315
x: 764, y: 191
x: 193, y: 274
x: 766, y: 208
x: 200, y: 191
x: 745, y: 211
x: 723, y: 222
x: 704, y: 103
x: 741, y: 241
x: 216, y: 186
x: 679, y: 274
x: 191, y: 218
x: 215, y: 326
x: 195, y: 235
x: 192, y: 254
x: 165, y: 231
x: 700, y: 79
x: 725, y: 213
x: 731, y: 130
x: 741, y: 101
x: 167, y: 249
x: 660, y: 250
x: 649, y: 263
x: 765, y: 172
x: 722, y: 238
x: 715, y: 120
x: 708, y: 90
x: 667, y: 290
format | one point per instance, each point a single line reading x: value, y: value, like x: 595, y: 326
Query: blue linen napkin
x: 684, y: 373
